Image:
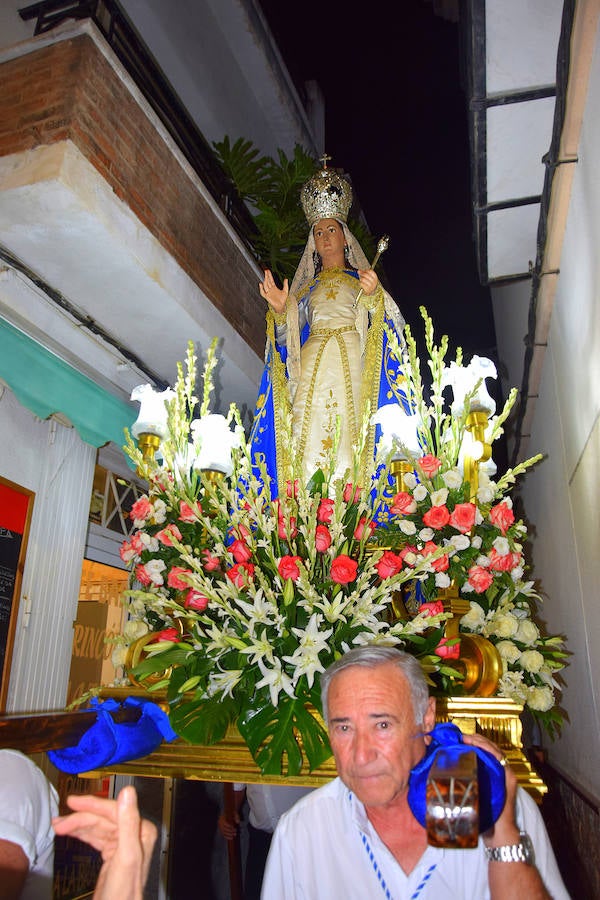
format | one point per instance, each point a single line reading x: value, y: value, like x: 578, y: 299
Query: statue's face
x: 330, y: 241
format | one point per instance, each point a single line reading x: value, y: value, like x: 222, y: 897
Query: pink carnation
x: 165, y: 536
x: 141, y: 510
x: 174, y: 578
x: 189, y: 513
x: 502, y: 516
x: 480, y: 579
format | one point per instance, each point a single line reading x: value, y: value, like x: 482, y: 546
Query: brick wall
x: 69, y: 90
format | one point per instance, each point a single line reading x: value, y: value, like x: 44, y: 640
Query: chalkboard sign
x: 16, y: 504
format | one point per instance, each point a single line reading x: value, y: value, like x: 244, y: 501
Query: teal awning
x: 45, y: 384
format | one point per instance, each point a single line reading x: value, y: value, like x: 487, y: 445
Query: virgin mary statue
x: 329, y: 364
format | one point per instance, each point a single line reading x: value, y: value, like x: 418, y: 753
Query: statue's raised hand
x: 275, y: 297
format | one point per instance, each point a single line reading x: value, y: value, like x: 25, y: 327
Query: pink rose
x: 429, y: 464
x: 463, y: 517
x: 436, y: 517
x: 174, y: 578
x: 195, y: 600
x: 504, y: 563
x: 210, y: 562
x: 165, y: 536
x: 502, y: 516
x: 287, y: 529
x: 142, y: 575
x: 239, y: 531
x: 448, y: 651
x: 433, y: 608
x: 241, y: 574
x: 189, y: 513
x: 167, y: 634
x: 441, y: 563
x: 322, y: 538
x: 405, y: 551
x: 479, y: 579
x: 389, y: 564
x: 289, y: 567
x: 241, y: 551
x: 325, y: 510
x: 141, y: 510
x: 363, y: 524
x: 291, y: 490
x: 403, y: 504
x: 351, y: 493
x: 343, y: 569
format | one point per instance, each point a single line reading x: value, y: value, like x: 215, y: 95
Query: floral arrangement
x: 243, y: 600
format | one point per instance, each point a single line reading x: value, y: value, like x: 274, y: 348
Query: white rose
x: 527, y: 632
x: 475, y: 618
x: 459, y: 542
x: 442, y: 580
x: 160, y: 511
x: 154, y: 567
x: 476, y: 541
x: 517, y: 573
x: 410, y: 480
x: 452, y: 478
x: 540, y: 698
x: 483, y: 561
x: 439, y: 497
x: 501, y: 546
x: 426, y: 534
x: 485, y: 493
x: 531, y: 660
x: 420, y: 492
x: 503, y: 625
x: 408, y: 527
x: 149, y: 541
x: 508, y: 651
x: 135, y: 629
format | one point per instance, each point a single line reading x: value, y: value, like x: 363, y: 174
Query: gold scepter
x: 382, y: 245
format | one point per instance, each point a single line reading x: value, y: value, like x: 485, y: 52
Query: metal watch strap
x: 521, y: 852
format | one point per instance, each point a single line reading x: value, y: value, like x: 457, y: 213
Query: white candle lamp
x: 150, y: 426
x: 214, y: 440
x: 399, y: 431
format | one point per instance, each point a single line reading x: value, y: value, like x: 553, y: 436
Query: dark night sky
x: 396, y: 121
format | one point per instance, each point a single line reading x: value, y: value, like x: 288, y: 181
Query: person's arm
x: 227, y: 826
x: 125, y: 840
x: 517, y: 880
x: 14, y: 867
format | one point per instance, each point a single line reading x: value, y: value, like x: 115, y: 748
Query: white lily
x: 276, y: 679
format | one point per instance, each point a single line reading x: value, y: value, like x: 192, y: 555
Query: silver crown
x: 326, y: 196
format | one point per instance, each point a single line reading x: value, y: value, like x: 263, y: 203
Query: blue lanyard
x: 420, y: 887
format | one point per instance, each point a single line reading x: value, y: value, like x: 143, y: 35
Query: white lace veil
x: 302, y: 278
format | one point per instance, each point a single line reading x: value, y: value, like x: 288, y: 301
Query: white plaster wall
x: 561, y: 496
x: 51, y: 460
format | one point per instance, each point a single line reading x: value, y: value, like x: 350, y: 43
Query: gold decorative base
x: 230, y: 759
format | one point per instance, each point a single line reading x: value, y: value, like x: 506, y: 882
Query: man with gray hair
x: 357, y: 837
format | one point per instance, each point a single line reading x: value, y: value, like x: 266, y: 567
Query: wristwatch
x: 522, y: 852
